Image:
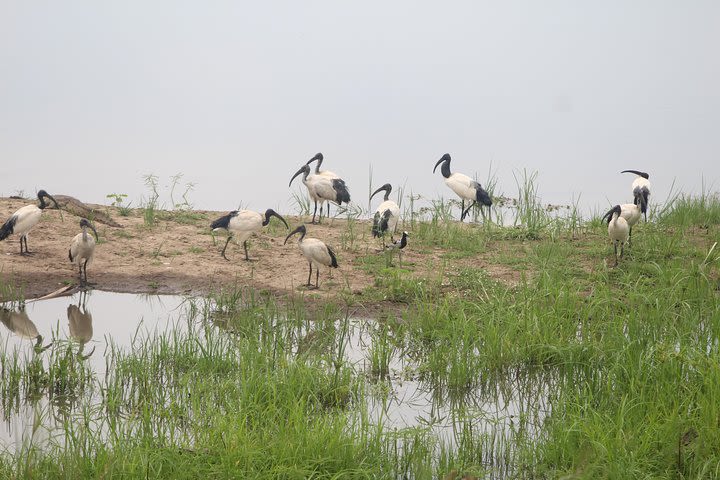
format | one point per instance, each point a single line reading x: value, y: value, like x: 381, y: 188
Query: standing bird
x: 465, y: 187
x: 24, y: 219
x: 316, y: 252
x: 322, y: 189
x: 631, y: 213
x: 244, y: 223
x: 386, y: 215
x: 641, y: 190
x: 82, y: 249
x: 330, y: 176
x: 618, y: 229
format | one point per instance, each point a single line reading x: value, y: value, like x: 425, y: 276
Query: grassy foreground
x: 615, y: 372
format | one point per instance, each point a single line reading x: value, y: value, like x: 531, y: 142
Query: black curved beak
x: 85, y: 357
x: 637, y: 172
x: 38, y: 345
x: 299, y: 229
x: 438, y: 163
x: 97, y: 239
x: 272, y: 213
x: 302, y: 170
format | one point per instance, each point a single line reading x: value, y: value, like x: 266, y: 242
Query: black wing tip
x: 8, y: 227
x: 333, y: 258
x: 224, y: 221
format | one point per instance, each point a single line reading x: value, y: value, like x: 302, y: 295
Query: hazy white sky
x: 237, y: 95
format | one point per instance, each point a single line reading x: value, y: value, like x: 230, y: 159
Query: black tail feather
x: 380, y: 223
x: 8, y: 227
x: 224, y: 221
x: 341, y: 192
x: 333, y: 258
x: 482, y: 197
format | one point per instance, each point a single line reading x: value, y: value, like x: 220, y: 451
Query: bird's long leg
x: 315, y: 211
x: 317, y: 277
x: 616, y: 257
x: 309, y: 275
x: 84, y: 268
x: 21, y: 245
x: 468, y: 209
x: 622, y: 249
x: 462, y: 209
x: 630, y: 237
x: 223, y: 250
x: 246, y: 252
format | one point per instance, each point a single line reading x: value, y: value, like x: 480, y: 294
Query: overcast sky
x: 237, y: 95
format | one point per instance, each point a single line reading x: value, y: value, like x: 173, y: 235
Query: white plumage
x: 323, y: 173
x: 322, y: 189
x: 465, y: 187
x: 241, y: 225
x: 82, y: 249
x: 316, y: 253
x: 386, y: 215
x: 641, y: 190
x: 24, y: 219
x: 618, y: 229
x: 631, y: 213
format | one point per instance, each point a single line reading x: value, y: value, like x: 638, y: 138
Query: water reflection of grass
x: 575, y: 369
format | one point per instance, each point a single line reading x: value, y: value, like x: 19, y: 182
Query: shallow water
x: 399, y: 400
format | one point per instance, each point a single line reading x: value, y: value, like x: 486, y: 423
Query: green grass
x: 596, y: 371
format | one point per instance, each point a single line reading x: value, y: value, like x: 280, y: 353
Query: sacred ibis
x: 618, y: 229
x: 641, y: 190
x: 80, y: 325
x: 322, y: 189
x: 631, y: 213
x: 242, y: 224
x: 316, y: 253
x: 465, y: 187
x: 326, y: 174
x: 18, y: 322
x: 82, y: 249
x: 386, y: 215
x: 24, y: 219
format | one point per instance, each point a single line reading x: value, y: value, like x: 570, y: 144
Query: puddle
x: 399, y: 400
x: 87, y: 321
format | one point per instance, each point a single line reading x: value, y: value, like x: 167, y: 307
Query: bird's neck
x: 84, y: 234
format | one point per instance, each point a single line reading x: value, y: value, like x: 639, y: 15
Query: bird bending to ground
x: 322, y: 189
x: 465, y: 187
x: 242, y: 224
x: 24, y: 219
x: 316, y: 253
x: 82, y: 249
x: 386, y: 215
x: 618, y: 229
x: 641, y: 190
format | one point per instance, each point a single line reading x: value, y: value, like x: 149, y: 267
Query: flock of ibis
x: 325, y: 187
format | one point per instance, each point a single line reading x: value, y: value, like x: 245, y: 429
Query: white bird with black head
x: 386, y: 215
x: 322, y: 189
x: 24, y: 219
x: 618, y: 229
x: 242, y: 224
x: 316, y: 253
x: 338, y: 182
x: 82, y: 249
x: 465, y: 187
x: 80, y: 323
x: 641, y: 190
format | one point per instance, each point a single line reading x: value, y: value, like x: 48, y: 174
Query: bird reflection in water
x: 18, y: 322
x: 80, y: 324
